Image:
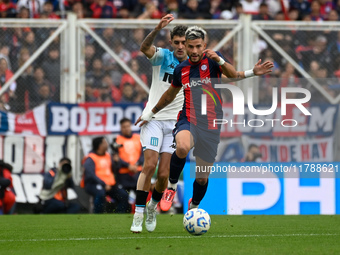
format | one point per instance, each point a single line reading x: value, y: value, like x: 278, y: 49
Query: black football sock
x: 176, y: 167
x: 198, y: 192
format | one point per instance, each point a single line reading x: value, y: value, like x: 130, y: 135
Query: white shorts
x: 157, y: 135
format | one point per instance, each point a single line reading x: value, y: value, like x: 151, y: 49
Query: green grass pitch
x: 109, y: 234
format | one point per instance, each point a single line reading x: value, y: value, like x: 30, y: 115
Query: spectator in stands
x: 315, y: 11
x: 238, y: 10
x: 48, y: 10
x: 141, y: 95
x: 138, y: 8
x: 128, y: 94
x: 194, y: 9
x: 326, y: 6
x: 54, y: 192
x: 51, y: 67
x: 293, y: 14
x: 172, y: 7
x: 90, y: 53
x: 44, y: 95
x: 95, y: 76
x: 25, y: 86
x: 7, y: 195
x: 263, y: 13
x: 4, y: 53
x: 5, y: 75
x: 111, y: 88
x: 35, y: 7
x: 29, y: 42
x: 303, y: 6
x: 127, y: 78
x: 7, y: 9
x: 78, y: 8
x: 99, y: 179
x: 130, y: 156
x: 23, y: 13
x: 136, y: 38
x: 120, y: 50
x: 103, y: 9
x: 150, y: 12
x: 89, y: 95
x: 333, y: 16
x: 318, y: 53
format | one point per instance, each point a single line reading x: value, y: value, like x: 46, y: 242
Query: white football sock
x: 139, y: 209
x: 153, y: 203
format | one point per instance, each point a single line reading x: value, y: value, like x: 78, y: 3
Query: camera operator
x: 130, y: 157
x: 54, y: 193
x: 7, y: 196
x: 99, y: 179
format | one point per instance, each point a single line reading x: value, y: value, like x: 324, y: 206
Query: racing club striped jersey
x: 163, y: 65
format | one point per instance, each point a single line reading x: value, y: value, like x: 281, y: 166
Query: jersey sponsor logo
x: 154, y: 141
x: 167, y: 77
x: 194, y: 83
x: 185, y: 73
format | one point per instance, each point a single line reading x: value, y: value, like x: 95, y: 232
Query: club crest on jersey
x: 204, y: 67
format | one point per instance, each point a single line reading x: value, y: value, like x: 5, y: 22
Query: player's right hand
x: 165, y: 21
x: 145, y: 118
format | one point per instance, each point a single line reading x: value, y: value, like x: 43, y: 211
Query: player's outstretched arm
x: 166, y: 99
x: 230, y: 71
x: 147, y: 45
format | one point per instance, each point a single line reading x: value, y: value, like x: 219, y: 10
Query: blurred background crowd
x: 317, y: 52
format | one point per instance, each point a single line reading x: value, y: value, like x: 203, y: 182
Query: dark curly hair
x: 178, y: 31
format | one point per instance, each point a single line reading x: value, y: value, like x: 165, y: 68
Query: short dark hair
x: 178, y: 31
x: 96, y: 142
x: 123, y: 120
x: 65, y: 159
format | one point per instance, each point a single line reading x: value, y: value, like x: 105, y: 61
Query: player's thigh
x: 168, y: 144
x: 151, y: 136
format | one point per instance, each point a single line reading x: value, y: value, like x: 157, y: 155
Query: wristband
x: 148, y: 116
x: 249, y: 73
x: 221, y: 62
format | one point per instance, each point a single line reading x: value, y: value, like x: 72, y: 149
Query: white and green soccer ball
x: 196, y: 221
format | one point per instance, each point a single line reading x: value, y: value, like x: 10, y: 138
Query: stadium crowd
x: 318, y: 53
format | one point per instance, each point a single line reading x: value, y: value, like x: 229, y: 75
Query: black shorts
x: 206, y: 141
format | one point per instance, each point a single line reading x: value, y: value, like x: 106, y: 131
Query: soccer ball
x: 196, y: 221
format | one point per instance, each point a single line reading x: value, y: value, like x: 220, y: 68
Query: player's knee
x: 202, y: 181
x: 182, y: 150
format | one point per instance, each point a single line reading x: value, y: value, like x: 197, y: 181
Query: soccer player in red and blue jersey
x: 202, y: 105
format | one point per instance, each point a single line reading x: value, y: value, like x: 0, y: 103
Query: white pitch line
x: 159, y: 237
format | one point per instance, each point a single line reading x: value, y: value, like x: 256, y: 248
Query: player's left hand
x: 261, y: 69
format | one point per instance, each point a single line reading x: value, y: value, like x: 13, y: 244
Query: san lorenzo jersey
x: 198, y: 79
x: 163, y: 65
